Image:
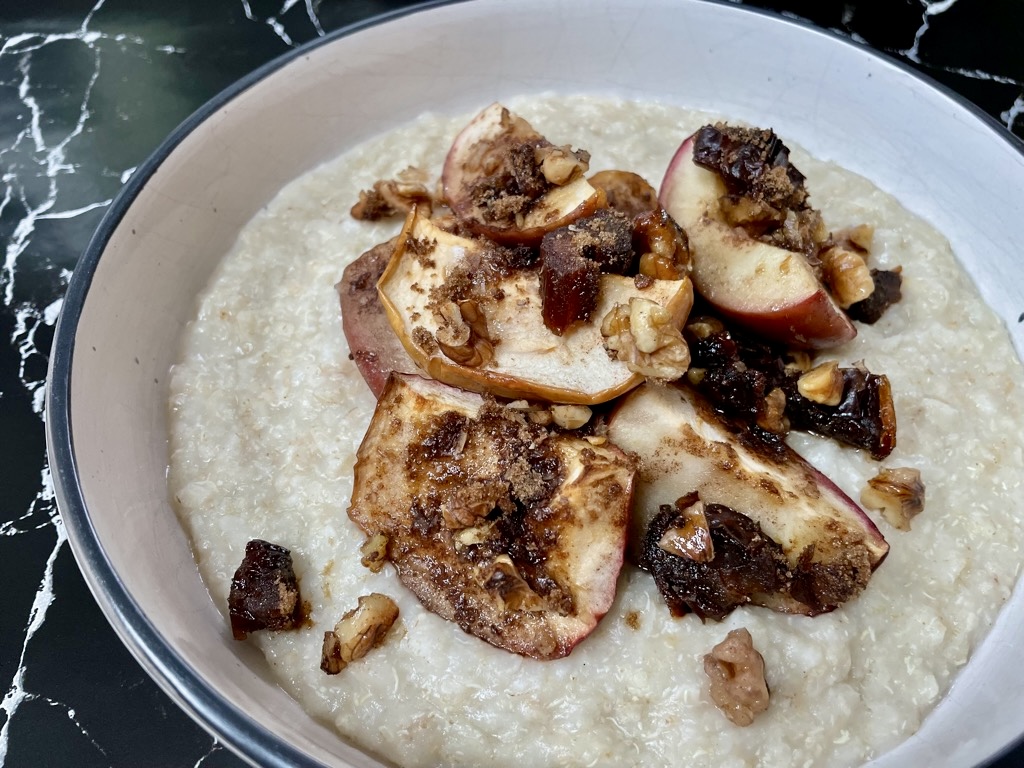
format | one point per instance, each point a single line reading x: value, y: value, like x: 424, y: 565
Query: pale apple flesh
x: 683, y: 448
x: 513, y: 532
x: 526, y: 359
x: 475, y: 150
x: 766, y: 289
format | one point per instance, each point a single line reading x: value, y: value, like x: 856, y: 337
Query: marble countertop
x: 88, y: 88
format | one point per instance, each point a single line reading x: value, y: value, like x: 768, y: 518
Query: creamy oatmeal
x: 267, y: 412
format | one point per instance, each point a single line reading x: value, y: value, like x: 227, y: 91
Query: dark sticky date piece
x: 572, y: 260
x: 746, y: 563
x: 748, y: 567
x: 264, y: 592
x: 739, y: 371
x: 767, y: 196
x: 569, y: 285
x: 865, y: 417
x: 888, y: 285
x: 752, y: 162
x: 605, y: 237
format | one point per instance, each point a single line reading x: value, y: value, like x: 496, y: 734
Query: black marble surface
x: 88, y: 88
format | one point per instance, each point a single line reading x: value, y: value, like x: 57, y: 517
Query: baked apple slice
x: 504, y: 180
x: 375, y: 348
x: 821, y: 547
x: 769, y: 289
x: 470, y: 318
x: 513, y: 532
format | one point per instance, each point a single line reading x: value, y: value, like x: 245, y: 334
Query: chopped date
x: 751, y: 162
x: 888, y: 291
x: 264, y: 591
x: 572, y: 261
x: 569, y: 286
x: 865, y: 417
x: 739, y: 372
x: 746, y: 563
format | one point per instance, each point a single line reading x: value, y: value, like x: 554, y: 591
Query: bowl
x: 134, y: 288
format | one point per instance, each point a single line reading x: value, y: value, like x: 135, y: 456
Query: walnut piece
x: 643, y: 337
x: 692, y: 539
x: 772, y: 413
x: 389, y: 197
x: 664, y: 248
x: 560, y: 165
x: 898, y: 492
x: 360, y: 630
x: 463, y: 336
x: 570, y: 416
x: 374, y: 552
x: 847, y: 275
x: 626, y: 191
x: 736, y: 672
x: 823, y: 384
x: 505, y: 581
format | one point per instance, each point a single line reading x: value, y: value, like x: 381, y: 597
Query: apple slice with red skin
x: 513, y: 532
x: 481, y: 150
x: 769, y: 290
x: 526, y: 359
x: 827, y: 539
x: 375, y: 348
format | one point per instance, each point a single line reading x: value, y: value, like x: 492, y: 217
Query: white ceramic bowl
x: 134, y: 288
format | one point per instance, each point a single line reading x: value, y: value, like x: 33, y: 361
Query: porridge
x: 268, y: 410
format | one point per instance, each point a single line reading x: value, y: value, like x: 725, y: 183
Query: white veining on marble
x: 275, y: 23
x: 214, y: 750
x: 34, y: 163
x: 16, y: 694
x: 51, y: 160
x: 931, y: 8
x: 1009, y: 117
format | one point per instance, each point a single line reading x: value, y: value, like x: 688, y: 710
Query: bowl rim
x: 227, y: 723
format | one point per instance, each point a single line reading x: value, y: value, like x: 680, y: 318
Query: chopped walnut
x: 359, y: 631
x: 847, y: 275
x: 570, y: 416
x: 859, y: 237
x: 642, y: 335
x: 799, y: 361
x: 704, y: 327
x: 560, y: 165
x: 823, y: 384
x: 389, y: 197
x: 454, y: 331
x: 772, y: 413
x: 898, y: 493
x: 468, y: 537
x: 543, y: 417
x: 463, y: 335
x: 513, y: 590
x: 736, y: 671
x: 692, y: 539
x: 664, y: 248
x: 746, y: 212
x: 374, y: 552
